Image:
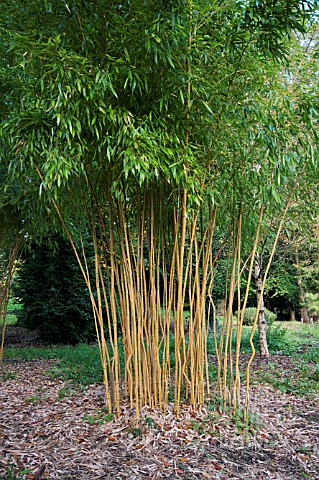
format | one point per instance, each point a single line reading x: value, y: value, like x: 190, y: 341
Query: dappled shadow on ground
x: 16, y: 336
x: 59, y: 432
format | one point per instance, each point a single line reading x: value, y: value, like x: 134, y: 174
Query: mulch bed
x: 67, y: 437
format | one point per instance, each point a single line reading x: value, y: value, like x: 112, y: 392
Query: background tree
x: 51, y: 289
x: 282, y: 291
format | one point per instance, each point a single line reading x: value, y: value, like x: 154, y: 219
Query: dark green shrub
x: 53, y: 294
x: 250, y: 313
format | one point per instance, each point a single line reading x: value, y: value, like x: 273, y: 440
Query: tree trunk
x: 264, y: 352
x: 292, y: 315
x: 304, y: 312
x: 221, y: 307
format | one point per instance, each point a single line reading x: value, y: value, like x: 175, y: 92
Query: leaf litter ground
x: 49, y: 429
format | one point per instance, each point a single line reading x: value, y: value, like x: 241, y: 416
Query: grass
x: 11, y: 318
x: 296, y: 368
x: 294, y: 357
x: 293, y: 365
x: 100, y: 417
x: 17, y: 474
x: 80, y: 364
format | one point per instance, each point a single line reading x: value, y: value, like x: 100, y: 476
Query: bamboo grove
x: 163, y: 134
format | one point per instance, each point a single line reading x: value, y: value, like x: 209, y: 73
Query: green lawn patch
x: 11, y: 318
x: 294, y: 367
x: 80, y: 364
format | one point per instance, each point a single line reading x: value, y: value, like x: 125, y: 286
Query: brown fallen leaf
x: 206, y: 475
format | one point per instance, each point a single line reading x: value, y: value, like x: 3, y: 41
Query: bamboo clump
x: 150, y: 261
x: 153, y: 257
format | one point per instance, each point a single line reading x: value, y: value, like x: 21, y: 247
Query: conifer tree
x: 52, y: 291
